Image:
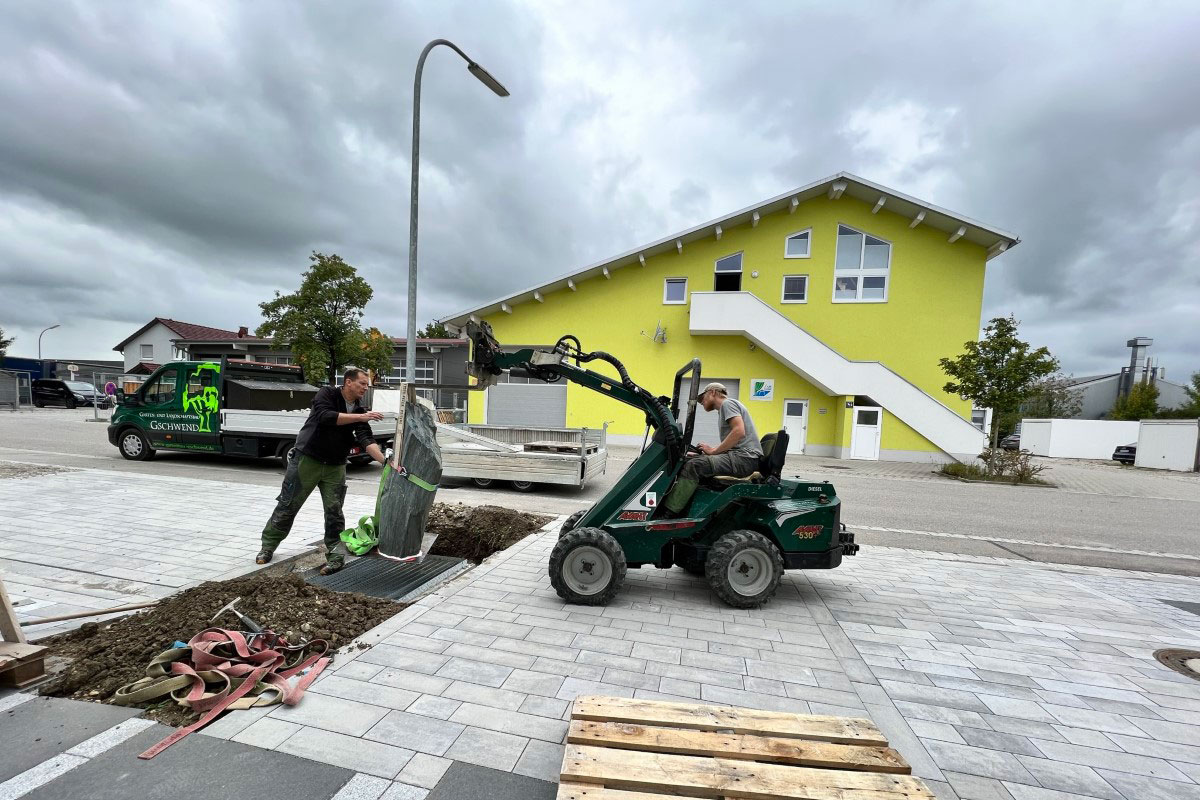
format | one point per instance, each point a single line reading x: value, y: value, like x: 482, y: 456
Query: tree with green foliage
x: 998, y: 371
x: 1052, y: 398
x: 321, y: 322
x: 4, y: 343
x: 1192, y: 409
x: 1141, y: 403
x: 435, y: 330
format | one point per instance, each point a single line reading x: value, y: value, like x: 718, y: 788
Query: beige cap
x: 719, y: 388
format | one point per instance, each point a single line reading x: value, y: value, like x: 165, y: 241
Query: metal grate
x: 381, y: 577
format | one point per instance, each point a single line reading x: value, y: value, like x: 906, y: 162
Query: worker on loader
x: 335, y: 424
x: 738, y: 455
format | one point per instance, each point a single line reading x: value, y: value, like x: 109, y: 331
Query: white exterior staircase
x: 743, y: 314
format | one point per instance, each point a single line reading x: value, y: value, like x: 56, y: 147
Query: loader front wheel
x: 744, y: 569
x: 587, y: 567
x: 570, y: 522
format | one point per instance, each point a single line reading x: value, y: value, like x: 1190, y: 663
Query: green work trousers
x: 303, y: 475
x: 733, y: 464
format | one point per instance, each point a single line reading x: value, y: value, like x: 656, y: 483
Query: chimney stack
x: 243, y: 332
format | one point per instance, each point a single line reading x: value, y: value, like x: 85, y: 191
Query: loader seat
x: 770, y: 467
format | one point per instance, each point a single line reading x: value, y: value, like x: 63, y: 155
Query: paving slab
x: 44, y: 727
x: 471, y: 782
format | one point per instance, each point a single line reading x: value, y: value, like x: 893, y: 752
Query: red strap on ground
x: 225, y: 659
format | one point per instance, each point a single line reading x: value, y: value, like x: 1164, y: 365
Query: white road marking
x: 106, y: 740
x: 15, y: 699
x: 35, y: 777
x: 1027, y: 542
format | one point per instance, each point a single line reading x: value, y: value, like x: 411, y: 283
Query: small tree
x: 1052, y: 398
x: 998, y: 370
x: 5, y: 342
x: 1142, y: 403
x: 321, y: 321
x: 435, y: 330
x: 1192, y: 408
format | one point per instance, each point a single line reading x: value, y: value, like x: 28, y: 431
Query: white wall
x: 1076, y: 438
x: 160, y: 337
x: 1169, y: 444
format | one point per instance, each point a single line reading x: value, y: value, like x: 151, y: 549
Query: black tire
x: 134, y: 446
x: 753, y: 559
x: 523, y: 486
x: 587, y: 567
x: 71, y: 402
x: 570, y: 522
x: 483, y: 483
x: 39, y: 405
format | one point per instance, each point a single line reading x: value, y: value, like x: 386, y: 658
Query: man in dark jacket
x: 335, y: 424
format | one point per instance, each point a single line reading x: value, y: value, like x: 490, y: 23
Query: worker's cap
x: 719, y: 388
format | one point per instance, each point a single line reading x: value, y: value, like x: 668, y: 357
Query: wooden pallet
x: 554, y: 447
x: 21, y: 663
x: 620, y: 749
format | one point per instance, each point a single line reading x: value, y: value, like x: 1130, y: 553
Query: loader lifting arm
x: 489, y: 360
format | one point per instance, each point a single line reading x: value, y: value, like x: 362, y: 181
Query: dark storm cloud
x: 182, y: 159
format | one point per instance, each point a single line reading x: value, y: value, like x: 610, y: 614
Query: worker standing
x: 335, y: 424
x: 738, y: 454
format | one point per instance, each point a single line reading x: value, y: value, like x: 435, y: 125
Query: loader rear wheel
x: 587, y: 567
x: 744, y: 569
x: 570, y: 522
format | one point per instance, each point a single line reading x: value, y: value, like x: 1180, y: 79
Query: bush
x: 1004, y: 466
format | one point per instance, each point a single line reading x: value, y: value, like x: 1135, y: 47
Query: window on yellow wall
x: 861, y: 267
x: 675, y: 291
x: 795, y: 289
x: 728, y: 277
x: 797, y: 245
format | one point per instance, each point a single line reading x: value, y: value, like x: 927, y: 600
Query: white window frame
x: 683, y: 302
x: 398, y: 371
x: 143, y: 355
x: 783, y: 289
x: 859, y: 272
x: 788, y: 238
x: 741, y: 257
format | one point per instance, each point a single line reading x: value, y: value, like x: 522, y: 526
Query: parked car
x: 1126, y: 453
x: 53, y: 392
x: 1011, y: 442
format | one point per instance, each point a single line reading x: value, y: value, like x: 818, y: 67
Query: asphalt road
x: 1150, y: 532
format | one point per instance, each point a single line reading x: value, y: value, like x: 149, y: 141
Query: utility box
x: 1169, y: 444
x: 1076, y: 438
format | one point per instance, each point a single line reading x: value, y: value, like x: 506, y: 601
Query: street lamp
x: 485, y: 77
x: 52, y: 327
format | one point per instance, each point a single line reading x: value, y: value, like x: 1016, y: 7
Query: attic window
x: 728, y: 276
x: 798, y: 245
x: 861, y: 267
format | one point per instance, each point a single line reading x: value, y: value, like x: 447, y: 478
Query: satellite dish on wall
x: 660, y: 334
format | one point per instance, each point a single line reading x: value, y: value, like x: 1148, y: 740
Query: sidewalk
x: 127, y: 539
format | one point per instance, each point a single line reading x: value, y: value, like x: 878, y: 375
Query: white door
x: 864, y: 441
x: 795, y: 422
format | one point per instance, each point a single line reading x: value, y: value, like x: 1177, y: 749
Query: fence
x: 111, y: 385
x: 16, y: 389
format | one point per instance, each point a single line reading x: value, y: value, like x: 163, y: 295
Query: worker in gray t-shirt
x: 738, y: 454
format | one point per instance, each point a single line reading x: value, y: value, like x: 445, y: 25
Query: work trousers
x: 733, y: 464
x: 304, y: 474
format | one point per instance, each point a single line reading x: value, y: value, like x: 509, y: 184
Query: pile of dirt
x: 104, y: 657
x: 10, y: 470
x: 475, y: 532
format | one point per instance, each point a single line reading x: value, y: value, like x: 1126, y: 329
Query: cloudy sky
x: 182, y: 159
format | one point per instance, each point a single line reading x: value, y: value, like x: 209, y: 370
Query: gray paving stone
x: 1094, y: 720
x: 267, y: 733
x: 541, y: 760
x: 551, y: 637
x: 533, y: 683
x: 410, y: 660
x: 1142, y: 788
x: 363, y: 787
x: 371, y: 693
x: 680, y: 687
x: 1006, y: 742
x: 1171, y: 751
x: 1022, y: 709
x: 490, y: 655
x: 44, y: 727
x: 424, y: 770
x: 526, y: 725
x: 974, y: 787
x: 941, y: 731
x: 1106, y: 759
x: 404, y: 791
x: 574, y: 687
x: 351, y: 752
x: 601, y: 644
x: 536, y: 649
x: 654, y: 652
x: 412, y: 681
x: 488, y: 749
x: 332, y: 714
x: 479, y: 672
x: 1022, y: 792
x: 737, y: 697
x: 932, y: 695
x: 410, y: 642
x: 469, y: 782
x: 463, y: 637
x: 771, y: 686
x: 634, y: 680
x: 358, y: 670
x: 706, y: 676
x: 978, y: 761
x: 1171, y: 731
x: 428, y: 705
x: 733, y: 664
x: 610, y: 661
x: 484, y: 695
x: 1064, y: 777
x: 416, y: 732
x: 544, y: 706
x: 569, y: 669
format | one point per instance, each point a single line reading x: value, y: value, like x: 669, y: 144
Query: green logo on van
x: 200, y: 394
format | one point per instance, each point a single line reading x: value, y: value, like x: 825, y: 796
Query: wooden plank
x: 10, y: 630
x: 590, y: 791
x: 730, y: 778
x: 629, y: 736
x: 839, y: 730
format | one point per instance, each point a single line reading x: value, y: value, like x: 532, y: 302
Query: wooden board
x: 622, y: 749
x: 21, y: 664
x: 839, y: 730
x: 10, y: 629
x: 555, y: 447
x: 629, y: 736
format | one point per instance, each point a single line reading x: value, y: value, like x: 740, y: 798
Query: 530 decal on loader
x: 739, y: 533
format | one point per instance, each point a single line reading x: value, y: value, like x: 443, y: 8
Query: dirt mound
x: 475, y: 532
x: 106, y: 657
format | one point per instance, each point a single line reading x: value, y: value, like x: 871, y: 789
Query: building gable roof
x: 996, y: 241
x: 186, y: 331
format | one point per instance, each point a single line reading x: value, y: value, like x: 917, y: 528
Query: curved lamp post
x: 485, y: 77
x: 52, y: 327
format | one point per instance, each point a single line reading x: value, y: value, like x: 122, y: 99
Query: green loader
x: 740, y: 534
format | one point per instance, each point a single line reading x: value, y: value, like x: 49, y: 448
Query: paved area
x: 83, y: 540
x: 996, y: 679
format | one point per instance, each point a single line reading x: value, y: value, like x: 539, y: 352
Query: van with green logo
x: 234, y: 407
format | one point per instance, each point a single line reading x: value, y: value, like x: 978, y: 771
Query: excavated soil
x: 104, y: 657
x: 475, y: 532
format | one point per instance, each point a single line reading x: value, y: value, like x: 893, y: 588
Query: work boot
x: 264, y: 556
x: 333, y: 563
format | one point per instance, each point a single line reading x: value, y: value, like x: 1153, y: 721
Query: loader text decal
x: 171, y: 422
x: 808, y: 531
x: 633, y: 516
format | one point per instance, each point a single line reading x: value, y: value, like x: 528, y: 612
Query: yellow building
x: 824, y: 310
